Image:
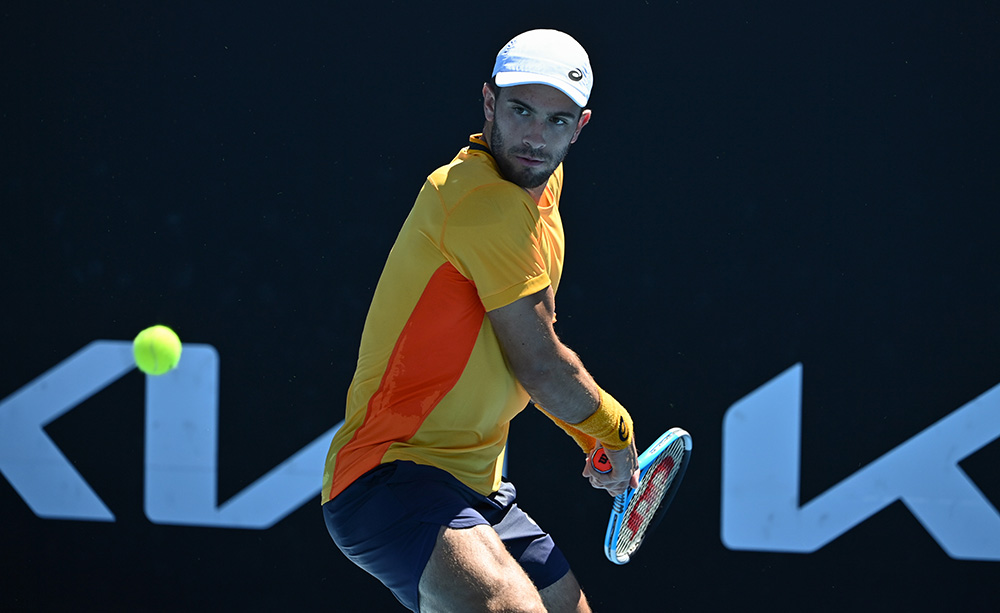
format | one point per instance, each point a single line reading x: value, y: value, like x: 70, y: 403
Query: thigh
x: 388, y: 523
x: 470, y: 569
x: 382, y: 539
x: 527, y: 542
x: 565, y: 595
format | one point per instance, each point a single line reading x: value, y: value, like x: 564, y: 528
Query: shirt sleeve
x: 492, y: 238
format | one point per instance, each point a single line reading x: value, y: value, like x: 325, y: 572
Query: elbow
x: 539, y: 375
x: 533, y: 377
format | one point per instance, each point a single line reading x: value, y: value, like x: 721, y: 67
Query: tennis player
x: 458, y: 339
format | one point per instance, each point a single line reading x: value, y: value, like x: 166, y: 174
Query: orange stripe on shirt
x: 426, y: 362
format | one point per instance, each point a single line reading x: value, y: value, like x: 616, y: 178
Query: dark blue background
x: 762, y: 184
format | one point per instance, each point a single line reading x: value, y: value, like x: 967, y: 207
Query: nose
x: 534, y: 137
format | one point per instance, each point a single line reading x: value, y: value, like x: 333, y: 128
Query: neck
x: 487, y: 130
x: 535, y: 192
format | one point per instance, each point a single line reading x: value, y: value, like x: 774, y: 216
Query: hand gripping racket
x: 636, y: 512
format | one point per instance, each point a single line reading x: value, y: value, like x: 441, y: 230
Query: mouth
x: 530, y: 161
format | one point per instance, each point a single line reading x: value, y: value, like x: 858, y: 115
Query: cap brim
x: 509, y: 79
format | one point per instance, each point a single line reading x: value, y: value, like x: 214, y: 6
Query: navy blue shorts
x: 387, y: 522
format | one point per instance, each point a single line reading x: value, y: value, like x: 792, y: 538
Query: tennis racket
x: 636, y: 512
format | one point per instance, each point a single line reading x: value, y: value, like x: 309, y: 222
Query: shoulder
x: 556, y: 182
x: 494, y: 205
x: 470, y: 171
x: 472, y: 186
x: 493, y: 218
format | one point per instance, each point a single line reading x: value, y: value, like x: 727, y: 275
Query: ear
x: 584, y: 120
x: 489, y: 102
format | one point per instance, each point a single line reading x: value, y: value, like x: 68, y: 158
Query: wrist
x: 610, y: 424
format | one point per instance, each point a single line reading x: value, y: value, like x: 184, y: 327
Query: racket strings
x: 642, y: 507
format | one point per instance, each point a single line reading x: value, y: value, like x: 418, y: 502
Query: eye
x: 519, y: 110
x: 560, y: 121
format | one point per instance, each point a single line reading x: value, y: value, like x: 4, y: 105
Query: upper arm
x: 549, y: 371
x: 492, y: 238
x: 524, y: 328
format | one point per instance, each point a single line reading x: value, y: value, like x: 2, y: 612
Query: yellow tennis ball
x: 157, y: 350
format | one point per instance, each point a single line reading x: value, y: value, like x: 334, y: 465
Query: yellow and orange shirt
x: 432, y: 385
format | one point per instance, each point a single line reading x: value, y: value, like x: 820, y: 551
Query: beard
x: 517, y: 173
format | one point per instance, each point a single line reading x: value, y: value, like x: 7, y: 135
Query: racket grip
x: 599, y: 461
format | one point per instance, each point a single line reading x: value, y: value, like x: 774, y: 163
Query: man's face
x: 532, y: 129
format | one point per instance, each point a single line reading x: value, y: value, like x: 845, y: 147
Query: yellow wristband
x: 610, y: 424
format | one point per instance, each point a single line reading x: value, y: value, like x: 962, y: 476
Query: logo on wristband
x: 622, y: 429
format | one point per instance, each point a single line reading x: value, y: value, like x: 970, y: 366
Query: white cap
x: 548, y: 57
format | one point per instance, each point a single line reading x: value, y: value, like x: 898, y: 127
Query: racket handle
x: 599, y: 461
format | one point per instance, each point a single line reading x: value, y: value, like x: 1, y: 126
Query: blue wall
x: 760, y: 187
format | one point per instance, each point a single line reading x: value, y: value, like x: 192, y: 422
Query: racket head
x: 636, y: 512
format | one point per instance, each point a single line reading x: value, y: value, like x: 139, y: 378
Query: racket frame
x: 621, y: 502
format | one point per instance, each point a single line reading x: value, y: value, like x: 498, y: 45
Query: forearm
x: 578, y: 405
x: 554, y: 375
x: 560, y: 383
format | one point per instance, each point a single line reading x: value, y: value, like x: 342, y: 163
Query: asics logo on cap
x: 576, y: 75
